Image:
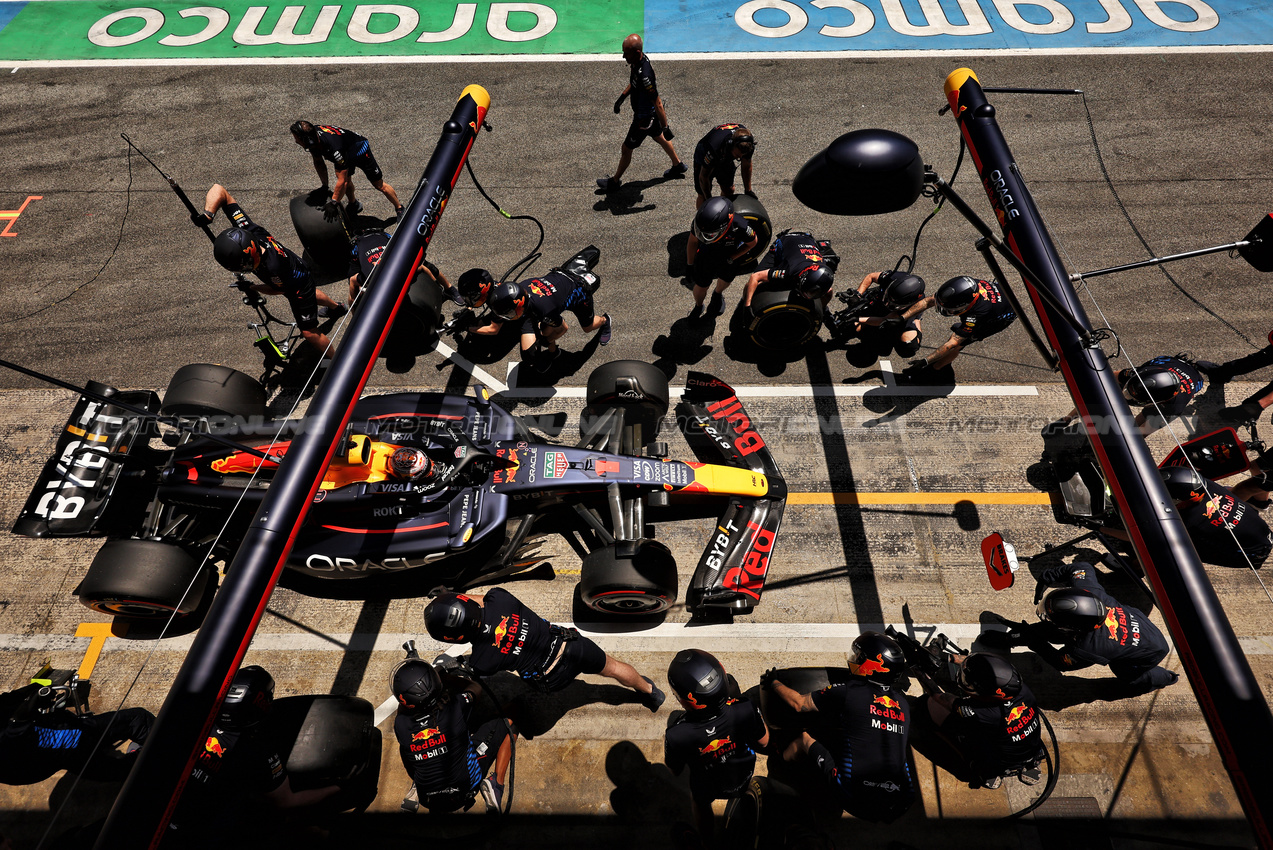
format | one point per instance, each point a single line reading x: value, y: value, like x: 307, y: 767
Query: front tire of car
x: 645, y: 583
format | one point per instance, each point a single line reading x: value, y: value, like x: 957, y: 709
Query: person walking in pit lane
x: 649, y: 118
x: 547, y: 656
x: 346, y: 151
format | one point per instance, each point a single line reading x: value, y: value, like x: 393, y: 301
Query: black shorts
x: 367, y: 162
x: 708, y: 268
x: 641, y: 129
x: 722, y: 171
x: 304, y: 304
x: 580, y: 655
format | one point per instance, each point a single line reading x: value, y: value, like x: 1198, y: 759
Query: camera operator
x: 985, y: 721
x: 860, y: 731
x: 876, y: 315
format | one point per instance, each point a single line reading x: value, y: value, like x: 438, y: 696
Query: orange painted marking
x: 99, y: 632
x: 12, y: 215
x: 917, y: 498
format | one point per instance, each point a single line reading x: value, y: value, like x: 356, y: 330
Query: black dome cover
x: 865, y: 172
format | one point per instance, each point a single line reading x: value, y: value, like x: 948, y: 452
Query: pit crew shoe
x: 716, y: 306
x: 354, y: 208
x: 608, y: 184
x: 654, y: 698
x: 607, y: 330
x: 697, y: 311
x: 546, y: 360
x: 336, y: 312
x: 675, y: 171
x: 492, y: 795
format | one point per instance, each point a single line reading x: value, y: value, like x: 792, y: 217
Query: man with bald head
x: 648, y: 116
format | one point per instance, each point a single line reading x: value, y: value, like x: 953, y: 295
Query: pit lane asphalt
x: 1183, y: 137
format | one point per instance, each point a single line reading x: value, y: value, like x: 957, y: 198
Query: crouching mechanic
x: 983, y: 310
x: 248, y: 247
x: 716, y: 736
x: 548, y: 656
x: 880, y: 325
x: 799, y: 262
x: 1162, y: 387
x: 448, y: 764
x: 990, y: 730
x: 367, y: 250
x: 859, y: 734
x: 1226, y: 530
x: 537, y: 304
x: 719, y: 241
x: 1092, y: 628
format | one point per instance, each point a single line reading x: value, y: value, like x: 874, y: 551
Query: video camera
x: 934, y: 660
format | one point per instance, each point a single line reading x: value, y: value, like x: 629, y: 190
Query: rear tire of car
x: 643, y: 584
x: 143, y: 579
x: 783, y: 320
x: 208, y: 389
x: 637, y: 388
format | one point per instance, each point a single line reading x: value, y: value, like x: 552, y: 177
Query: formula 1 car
x: 169, y: 512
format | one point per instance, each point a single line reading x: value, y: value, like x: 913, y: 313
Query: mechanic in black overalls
x: 859, y: 738
x: 797, y: 261
x: 716, y: 736
x: 538, y: 304
x: 718, y: 241
x: 249, y: 247
x: 365, y: 256
x: 991, y: 729
x: 448, y: 765
x: 1162, y: 387
x: 1092, y: 628
x: 346, y: 151
x: 506, y: 635
x: 714, y: 158
x: 648, y: 116
x: 1226, y: 530
x: 983, y: 310
x: 239, y: 777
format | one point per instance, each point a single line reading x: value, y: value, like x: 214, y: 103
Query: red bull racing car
x: 496, y: 491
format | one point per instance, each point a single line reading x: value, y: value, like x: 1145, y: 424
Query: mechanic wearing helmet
x: 1162, y: 387
x: 799, y: 262
x: 716, y: 736
x: 248, y: 247
x: 714, y: 159
x: 365, y: 256
x: 983, y: 310
x: 860, y: 732
x: 448, y: 765
x: 880, y: 325
x: 506, y: 635
x: 648, y: 116
x: 719, y: 240
x: 537, y: 305
x: 346, y: 151
x: 237, y: 769
x: 991, y: 729
x: 1225, y: 530
x: 1092, y: 628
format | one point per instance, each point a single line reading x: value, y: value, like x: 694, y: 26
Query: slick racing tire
x: 206, y: 389
x: 802, y: 680
x: 415, y: 328
x: 761, y: 816
x: 329, y: 739
x: 643, y: 584
x: 143, y: 579
x: 327, y: 242
x: 637, y: 388
x: 756, y: 215
x: 783, y: 320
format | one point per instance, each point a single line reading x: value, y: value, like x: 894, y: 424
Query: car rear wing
x: 75, y: 486
x: 732, y: 570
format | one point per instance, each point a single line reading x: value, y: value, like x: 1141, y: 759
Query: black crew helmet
x: 1184, y: 484
x: 237, y: 250
x: 1071, y: 608
x: 742, y: 139
x: 453, y: 618
x: 248, y: 700
x: 507, y: 301
x: 417, y: 685
x: 475, y: 286
x: 1150, y: 384
x: 699, y: 681
x: 876, y: 657
x: 987, y: 675
x: 902, y: 290
x: 815, y: 281
x: 713, y: 219
x: 956, y: 295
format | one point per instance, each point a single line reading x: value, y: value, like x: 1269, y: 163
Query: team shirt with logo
x: 517, y: 639
x: 644, y: 89
x: 719, y: 751
x: 1125, y: 639
x: 990, y: 313
x: 868, y: 729
x: 339, y: 146
x: 995, y: 734
x: 437, y: 751
x: 1225, y: 530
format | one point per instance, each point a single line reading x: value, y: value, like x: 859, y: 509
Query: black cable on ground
x: 534, y: 252
x: 1054, y: 768
x: 1100, y: 160
x: 123, y: 219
